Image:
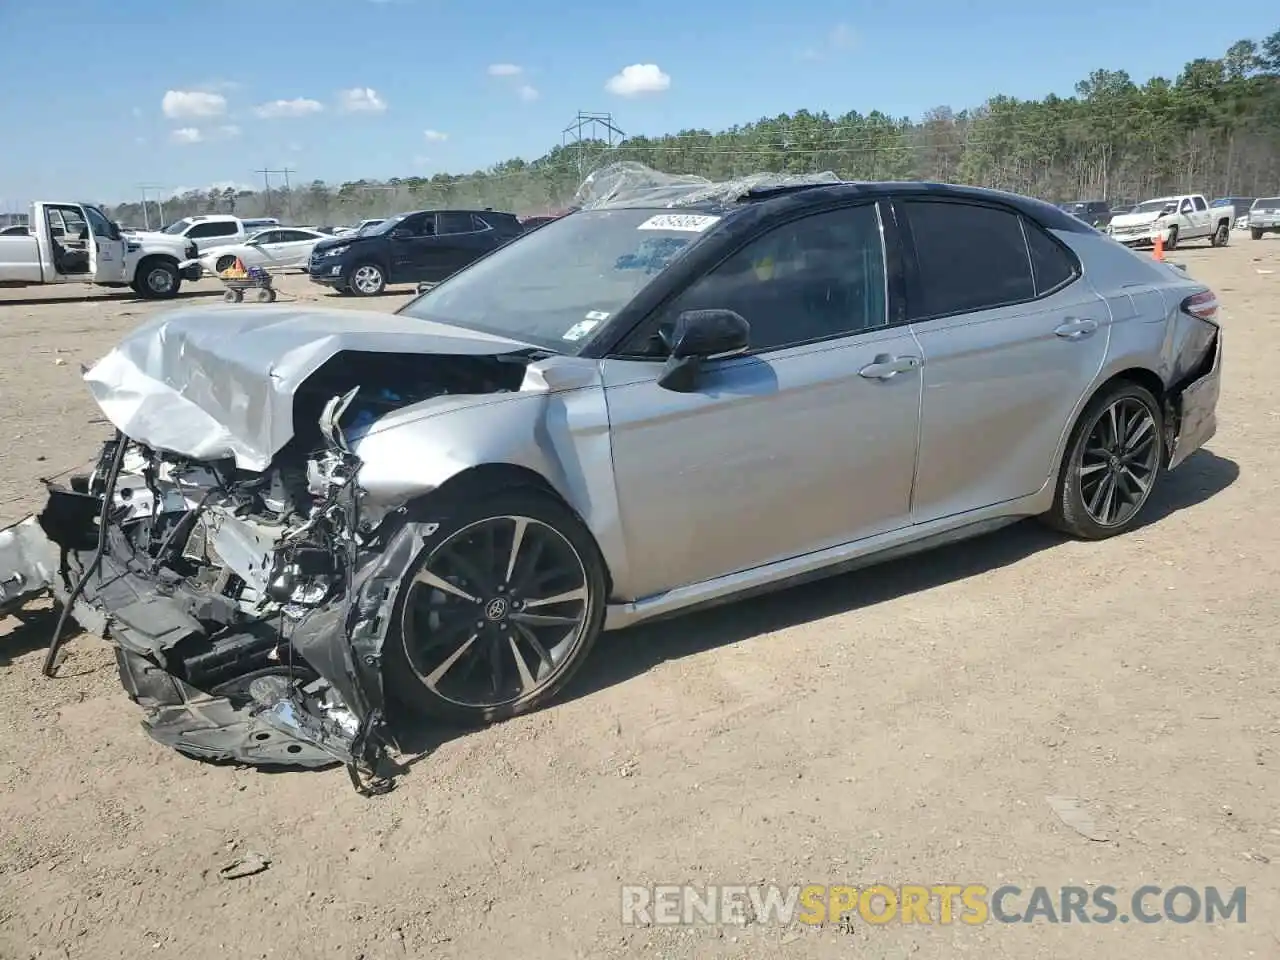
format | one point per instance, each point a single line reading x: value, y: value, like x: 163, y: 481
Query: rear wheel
x: 1221, y: 236
x: 1256, y: 234
x: 1111, y: 465
x: 498, y: 612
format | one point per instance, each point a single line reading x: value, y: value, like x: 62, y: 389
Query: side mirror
x: 700, y: 335
x: 708, y: 334
x: 116, y: 232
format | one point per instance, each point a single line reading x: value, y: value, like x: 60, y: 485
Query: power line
x: 267, y: 173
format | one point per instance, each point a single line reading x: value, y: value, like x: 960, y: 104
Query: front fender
x: 559, y: 432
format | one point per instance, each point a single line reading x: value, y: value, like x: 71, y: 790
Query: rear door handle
x: 1076, y: 329
x: 886, y: 365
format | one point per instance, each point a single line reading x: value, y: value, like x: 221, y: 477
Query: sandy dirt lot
x: 901, y: 725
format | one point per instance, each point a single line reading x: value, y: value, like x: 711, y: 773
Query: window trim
x: 911, y: 256
x: 655, y: 315
x: 456, y: 233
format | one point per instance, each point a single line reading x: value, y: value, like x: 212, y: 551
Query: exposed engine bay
x: 248, y: 609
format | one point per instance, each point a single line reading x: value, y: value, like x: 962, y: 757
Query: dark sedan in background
x: 425, y: 246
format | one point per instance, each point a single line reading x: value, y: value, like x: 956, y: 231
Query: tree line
x: 1214, y: 129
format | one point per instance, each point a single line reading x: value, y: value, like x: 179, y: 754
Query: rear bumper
x: 1198, y: 408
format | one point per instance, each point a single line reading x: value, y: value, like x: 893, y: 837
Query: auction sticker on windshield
x: 683, y: 222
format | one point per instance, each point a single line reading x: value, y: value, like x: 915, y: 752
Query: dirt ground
x: 904, y: 724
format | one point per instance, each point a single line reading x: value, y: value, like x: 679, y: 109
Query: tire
x: 367, y: 280
x: 157, y: 278
x: 467, y: 690
x: 1172, y: 242
x: 1071, y: 511
x: 1221, y: 236
x: 224, y: 263
x: 1256, y: 234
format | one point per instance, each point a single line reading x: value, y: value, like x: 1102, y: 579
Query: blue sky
x: 97, y: 96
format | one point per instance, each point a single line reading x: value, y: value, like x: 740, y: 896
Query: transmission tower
x: 266, y: 185
x: 585, y: 130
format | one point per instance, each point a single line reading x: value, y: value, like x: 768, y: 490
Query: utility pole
x: 267, y: 172
x: 585, y: 130
x: 146, y: 213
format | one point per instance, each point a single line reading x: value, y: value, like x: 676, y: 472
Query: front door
x: 806, y: 443
x: 413, y: 243
x: 106, y: 248
x: 1012, y: 337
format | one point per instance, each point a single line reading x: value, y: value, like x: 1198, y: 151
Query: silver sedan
x: 663, y: 400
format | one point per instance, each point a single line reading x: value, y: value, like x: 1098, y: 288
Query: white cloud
x: 638, y: 79
x: 298, y: 107
x: 435, y: 136
x: 527, y: 93
x: 361, y: 100
x: 842, y: 37
x: 181, y: 104
x: 505, y: 70
x: 228, y: 131
x: 186, y: 135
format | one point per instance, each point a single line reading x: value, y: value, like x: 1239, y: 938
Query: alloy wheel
x: 1119, y: 461
x: 367, y: 280
x: 495, y: 612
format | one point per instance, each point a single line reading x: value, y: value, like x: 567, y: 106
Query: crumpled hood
x: 216, y: 382
x: 1134, y: 219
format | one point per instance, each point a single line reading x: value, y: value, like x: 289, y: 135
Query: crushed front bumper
x: 214, y: 683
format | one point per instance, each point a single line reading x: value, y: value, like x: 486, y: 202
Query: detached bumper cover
x: 1198, y: 405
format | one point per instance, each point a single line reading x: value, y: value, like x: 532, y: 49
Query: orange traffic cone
x: 1157, y: 253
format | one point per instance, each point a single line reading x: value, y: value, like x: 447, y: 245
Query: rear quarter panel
x: 20, y: 260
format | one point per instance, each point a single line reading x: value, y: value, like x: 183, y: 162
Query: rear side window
x: 1199, y: 202
x: 1052, y: 267
x: 447, y: 223
x: 969, y: 258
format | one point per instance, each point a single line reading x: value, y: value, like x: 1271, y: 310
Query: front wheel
x: 224, y: 263
x: 1171, y: 242
x: 157, y: 279
x: 498, y: 611
x: 368, y: 280
x: 1221, y: 236
x: 1112, y: 463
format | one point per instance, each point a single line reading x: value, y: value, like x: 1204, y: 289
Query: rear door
x: 1201, y: 217
x: 463, y: 238
x: 290, y: 248
x: 1012, y: 336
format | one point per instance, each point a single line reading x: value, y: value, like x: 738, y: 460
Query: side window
x: 450, y: 223
x: 98, y: 223
x: 820, y: 276
x: 1051, y: 265
x: 267, y: 236
x: 970, y: 258
x: 1199, y: 202
x: 1186, y: 207
x: 478, y: 223
x: 291, y: 236
x: 216, y: 228
x: 419, y: 225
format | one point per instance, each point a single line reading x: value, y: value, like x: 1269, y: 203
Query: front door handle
x: 885, y: 366
x: 1076, y: 329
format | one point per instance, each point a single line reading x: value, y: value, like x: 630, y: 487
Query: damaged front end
x: 248, y: 606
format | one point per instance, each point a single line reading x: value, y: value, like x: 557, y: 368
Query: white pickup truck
x: 76, y: 243
x: 1186, y: 217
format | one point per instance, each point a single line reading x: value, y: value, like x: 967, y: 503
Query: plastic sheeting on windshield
x: 631, y: 184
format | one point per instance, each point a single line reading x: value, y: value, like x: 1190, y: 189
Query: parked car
x: 360, y: 227
x: 424, y: 246
x: 1096, y: 213
x: 647, y: 406
x: 278, y: 247
x: 215, y: 229
x: 1174, y: 219
x: 1264, y: 217
x: 17, y: 230
x: 1239, y: 205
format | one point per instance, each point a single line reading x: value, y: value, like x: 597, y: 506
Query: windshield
x: 1266, y: 203
x: 175, y: 228
x: 1154, y: 206
x: 380, y: 227
x: 555, y: 285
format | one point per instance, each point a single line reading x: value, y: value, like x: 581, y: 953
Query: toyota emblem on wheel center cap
x: 496, y: 609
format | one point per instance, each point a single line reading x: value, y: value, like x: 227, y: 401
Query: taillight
x: 1202, y: 306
